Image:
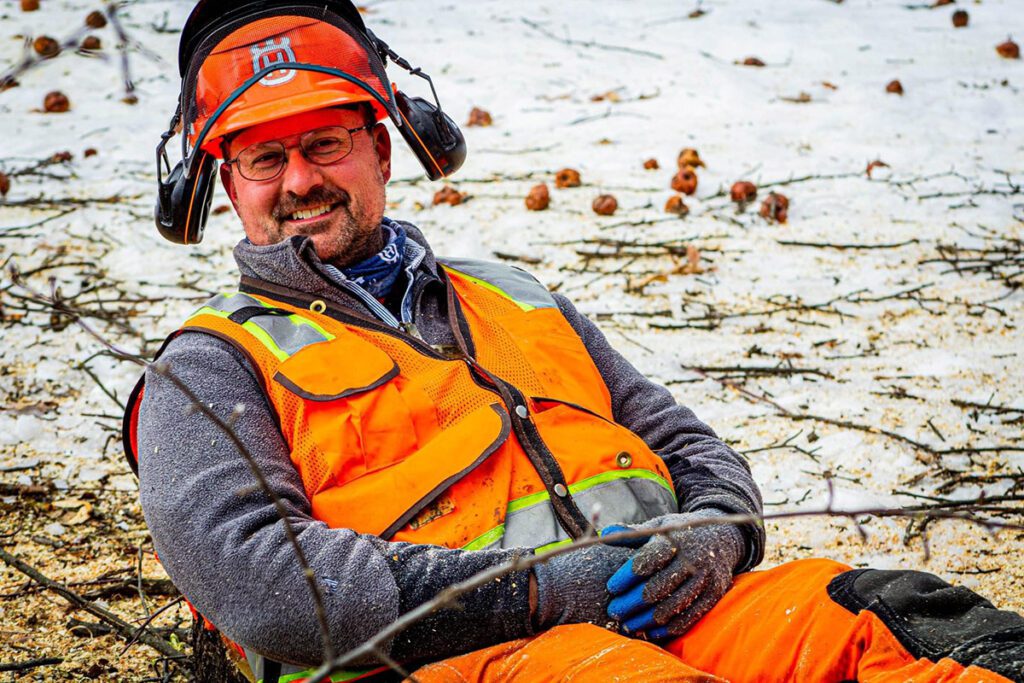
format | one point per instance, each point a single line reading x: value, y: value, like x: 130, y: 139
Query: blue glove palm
x: 676, y: 577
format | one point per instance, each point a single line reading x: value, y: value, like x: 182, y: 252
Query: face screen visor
x: 273, y: 64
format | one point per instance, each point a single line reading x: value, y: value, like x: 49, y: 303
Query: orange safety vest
x: 506, y: 441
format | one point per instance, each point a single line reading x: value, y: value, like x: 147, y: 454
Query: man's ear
x: 382, y: 144
x: 228, y: 181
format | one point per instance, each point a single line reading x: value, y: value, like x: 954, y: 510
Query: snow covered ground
x: 875, y: 331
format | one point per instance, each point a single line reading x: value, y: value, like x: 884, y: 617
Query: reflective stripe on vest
x: 634, y: 495
x: 516, y: 285
x: 288, y: 673
x: 283, y: 335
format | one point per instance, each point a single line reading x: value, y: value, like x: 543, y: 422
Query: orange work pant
x: 774, y: 625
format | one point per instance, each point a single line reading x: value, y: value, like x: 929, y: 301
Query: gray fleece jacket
x: 221, y: 540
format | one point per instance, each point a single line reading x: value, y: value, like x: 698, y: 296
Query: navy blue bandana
x: 378, y: 273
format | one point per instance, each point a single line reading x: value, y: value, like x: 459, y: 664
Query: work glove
x: 572, y: 588
x: 676, y: 577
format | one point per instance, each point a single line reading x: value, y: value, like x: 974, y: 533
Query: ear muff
x: 183, y: 200
x: 432, y: 135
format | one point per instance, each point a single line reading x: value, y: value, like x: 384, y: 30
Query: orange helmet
x: 271, y: 61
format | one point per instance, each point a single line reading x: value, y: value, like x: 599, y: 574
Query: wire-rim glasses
x: 323, y: 146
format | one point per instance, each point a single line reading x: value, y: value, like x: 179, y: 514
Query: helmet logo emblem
x: 268, y: 54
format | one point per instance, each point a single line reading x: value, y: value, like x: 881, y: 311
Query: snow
x: 674, y: 84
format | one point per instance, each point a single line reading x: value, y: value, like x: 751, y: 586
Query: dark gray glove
x: 571, y: 588
x: 675, y: 578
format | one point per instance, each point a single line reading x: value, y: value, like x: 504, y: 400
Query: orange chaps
x: 790, y: 623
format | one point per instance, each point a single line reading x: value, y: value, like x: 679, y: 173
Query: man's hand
x: 571, y: 588
x: 676, y: 577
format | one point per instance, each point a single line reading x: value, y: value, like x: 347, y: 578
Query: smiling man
x: 423, y: 419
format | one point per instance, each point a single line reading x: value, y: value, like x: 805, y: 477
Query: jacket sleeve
x: 223, y: 544
x: 705, y: 471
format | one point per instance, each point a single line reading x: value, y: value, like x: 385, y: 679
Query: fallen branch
x: 122, y: 627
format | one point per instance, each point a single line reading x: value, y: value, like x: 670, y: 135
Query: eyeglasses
x: 323, y: 146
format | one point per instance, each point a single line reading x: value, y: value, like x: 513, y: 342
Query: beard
x: 350, y: 233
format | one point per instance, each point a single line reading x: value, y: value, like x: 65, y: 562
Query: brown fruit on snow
x: 743, y: 191
x: 29, y: 5
x: 448, y: 195
x: 752, y: 61
x: 960, y: 18
x: 676, y: 205
x: 538, y: 198
x: 775, y: 207
x: 1008, y: 50
x: 61, y: 157
x: 90, y: 152
x: 689, y: 157
x: 91, y: 43
x: 685, y: 180
x: 894, y: 87
x: 479, y: 117
x: 220, y: 209
x: 567, y: 177
x: 940, y: 3
x: 605, y: 205
x: 96, y: 19
x: 56, y: 102
x: 45, y: 46
x: 5, y: 184
x: 651, y: 164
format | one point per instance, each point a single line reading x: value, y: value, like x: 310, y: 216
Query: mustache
x: 318, y: 196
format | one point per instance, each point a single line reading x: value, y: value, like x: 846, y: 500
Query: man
x: 421, y: 420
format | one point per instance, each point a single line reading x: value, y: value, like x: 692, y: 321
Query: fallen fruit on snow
x: 91, y: 43
x: 605, y: 205
x: 775, y: 207
x: 752, y: 61
x: 56, y: 102
x: 689, y: 157
x: 479, y: 117
x: 220, y: 209
x: 29, y: 5
x: 960, y: 18
x: 676, y: 205
x: 45, y: 46
x: 651, y: 165
x: 894, y: 87
x: 685, y: 181
x: 567, y: 177
x: 5, y: 184
x: 538, y: 198
x: 96, y: 19
x: 743, y: 191
x: 872, y: 165
x: 90, y: 152
x: 1008, y: 50
x: 61, y: 157
x: 448, y: 195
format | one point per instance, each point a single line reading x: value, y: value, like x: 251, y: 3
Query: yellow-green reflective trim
x: 487, y: 285
x: 339, y: 676
x: 258, y: 331
x: 589, y: 482
x: 488, y: 537
x: 552, y: 546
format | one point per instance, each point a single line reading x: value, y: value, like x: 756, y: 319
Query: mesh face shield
x: 273, y: 63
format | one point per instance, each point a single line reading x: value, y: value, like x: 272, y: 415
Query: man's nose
x: 299, y: 175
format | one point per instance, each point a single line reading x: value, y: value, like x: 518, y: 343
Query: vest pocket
x: 383, y: 501
x: 350, y: 417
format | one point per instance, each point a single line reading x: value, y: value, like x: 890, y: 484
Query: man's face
x: 352, y: 189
